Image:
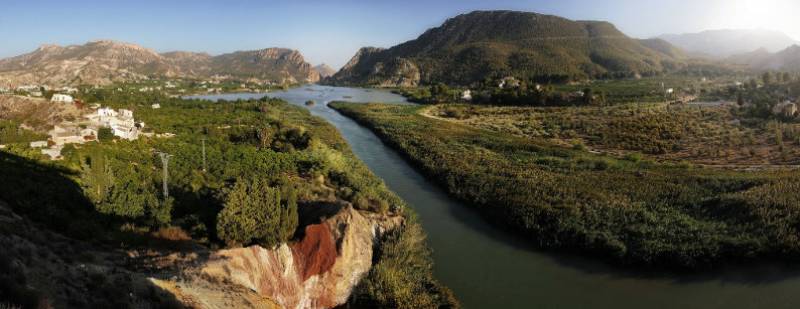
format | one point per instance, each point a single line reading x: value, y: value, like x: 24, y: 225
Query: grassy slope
x: 626, y: 210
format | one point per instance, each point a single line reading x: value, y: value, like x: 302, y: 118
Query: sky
x: 331, y: 31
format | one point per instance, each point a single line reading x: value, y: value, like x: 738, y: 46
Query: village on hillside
x: 120, y: 123
x: 85, y: 123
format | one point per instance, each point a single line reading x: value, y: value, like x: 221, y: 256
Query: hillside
x: 481, y: 44
x: 762, y: 60
x: 724, y: 43
x: 104, y: 62
x: 324, y: 70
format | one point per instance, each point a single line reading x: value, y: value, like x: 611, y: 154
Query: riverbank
x: 629, y: 212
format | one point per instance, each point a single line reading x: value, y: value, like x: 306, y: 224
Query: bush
x: 105, y: 134
x: 254, y: 213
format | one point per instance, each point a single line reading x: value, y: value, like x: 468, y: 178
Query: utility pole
x: 204, y: 154
x: 165, y: 167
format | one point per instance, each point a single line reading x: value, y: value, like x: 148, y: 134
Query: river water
x: 488, y: 267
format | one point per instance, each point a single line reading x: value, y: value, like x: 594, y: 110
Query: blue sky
x: 331, y: 31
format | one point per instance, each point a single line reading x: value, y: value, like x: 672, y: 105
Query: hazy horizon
x: 331, y: 33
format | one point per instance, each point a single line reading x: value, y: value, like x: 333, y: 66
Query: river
x: 488, y: 267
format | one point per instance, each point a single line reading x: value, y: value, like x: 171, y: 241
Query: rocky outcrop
x: 104, y: 62
x: 319, y: 271
x: 271, y: 63
x: 368, y: 67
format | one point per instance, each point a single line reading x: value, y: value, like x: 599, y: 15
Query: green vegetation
x: 601, y: 92
x: 264, y: 160
x: 711, y: 135
x: 11, y: 133
x: 255, y: 213
x: 402, y: 276
x: 629, y: 210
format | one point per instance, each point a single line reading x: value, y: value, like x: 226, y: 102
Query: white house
x: 54, y: 153
x: 120, y: 122
x: 38, y: 144
x: 29, y: 88
x: 62, y: 98
x: 155, y: 106
x: 126, y: 113
x: 67, y: 89
x: 466, y: 95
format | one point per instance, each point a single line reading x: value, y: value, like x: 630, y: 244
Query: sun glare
x: 760, y: 14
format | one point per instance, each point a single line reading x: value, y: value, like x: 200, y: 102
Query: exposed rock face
x: 367, y: 67
x: 104, y: 62
x: 272, y: 63
x: 320, y: 271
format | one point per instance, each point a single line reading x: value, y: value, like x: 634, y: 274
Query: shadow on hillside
x: 53, y: 225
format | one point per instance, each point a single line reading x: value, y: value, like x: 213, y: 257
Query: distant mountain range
x: 763, y: 60
x: 324, y: 70
x: 103, y: 62
x: 471, y: 47
x: 725, y: 43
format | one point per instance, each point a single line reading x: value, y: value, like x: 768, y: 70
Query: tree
x: 588, y: 96
x: 786, y: 77
x: 105, y: 134
x: 753, y: 84
x: 96, y: 177
x: 767, y: 78
x: 255, y: 213
x: 264, y: 137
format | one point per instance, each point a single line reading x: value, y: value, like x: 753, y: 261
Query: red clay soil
x: 316, y: 253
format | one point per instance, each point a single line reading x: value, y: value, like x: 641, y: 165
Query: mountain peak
x: 324, y: 70
x: 108, y: 61
x: 471, y: 47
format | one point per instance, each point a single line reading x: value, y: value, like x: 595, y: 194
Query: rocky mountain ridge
x: 483, y: 44
x: 103, y: 62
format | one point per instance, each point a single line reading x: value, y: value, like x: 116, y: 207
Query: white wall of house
x: 61, y: 98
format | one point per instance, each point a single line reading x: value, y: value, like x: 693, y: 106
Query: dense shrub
x: 255, y: 213
x: 627, y: 210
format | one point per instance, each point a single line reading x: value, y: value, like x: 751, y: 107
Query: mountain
x: 471, y: 47
x: 665, y: 48
x: 762, y: 60
x: 324, y: 70
x: 272, y: 64
x: 104, y: 62
x: 724, y: 43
